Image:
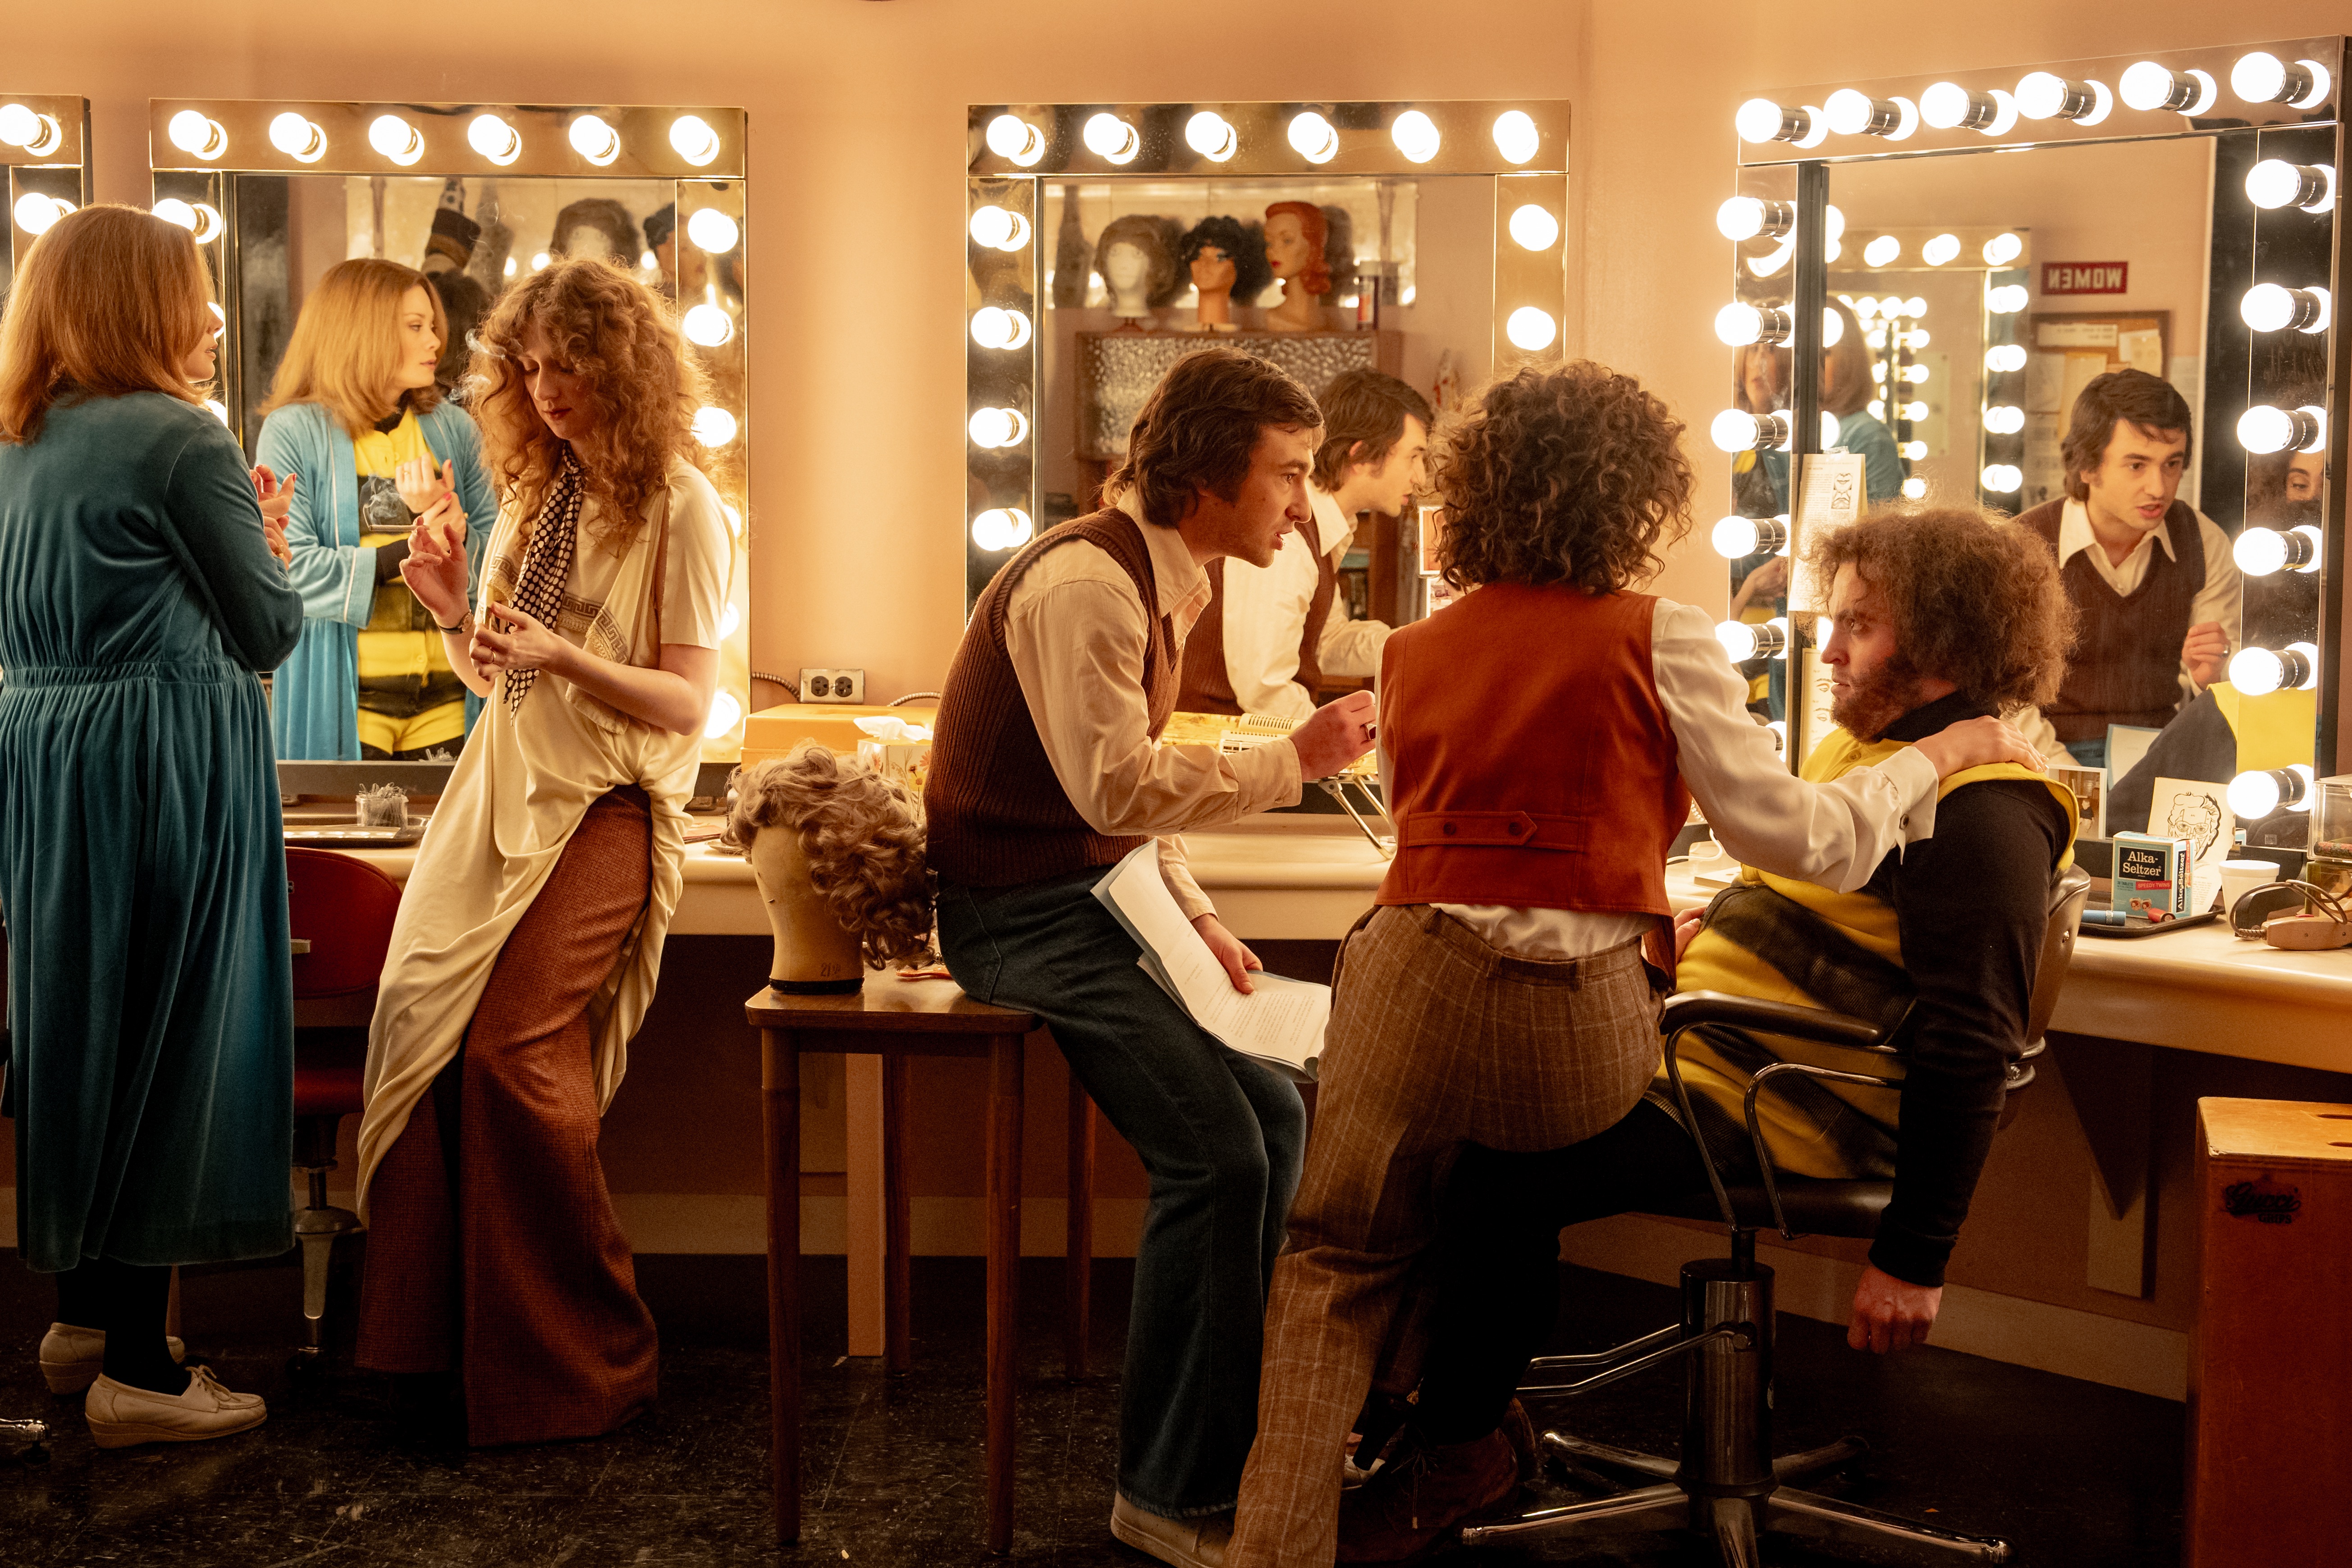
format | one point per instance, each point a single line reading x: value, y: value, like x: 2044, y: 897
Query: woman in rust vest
x: 1541, y: 741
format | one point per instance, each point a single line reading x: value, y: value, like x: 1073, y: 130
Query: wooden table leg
x: 1079, y: 1246
x: 1004, y: 1065
x: 898, y: 1353
x: 780, y: 1119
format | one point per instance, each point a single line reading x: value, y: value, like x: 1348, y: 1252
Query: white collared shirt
x: 2218, y: 599
x: 1265, y: 610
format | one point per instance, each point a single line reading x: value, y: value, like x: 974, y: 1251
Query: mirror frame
x: 1780, y: 170
x: 442, y: 150
x: 1363, y: 141
x: 60, y: 173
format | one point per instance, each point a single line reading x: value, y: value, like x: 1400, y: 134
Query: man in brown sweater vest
x: 2150, y: 576
x: 1046, y: 769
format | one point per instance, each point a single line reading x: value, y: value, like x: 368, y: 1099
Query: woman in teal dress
x: 143, y: 870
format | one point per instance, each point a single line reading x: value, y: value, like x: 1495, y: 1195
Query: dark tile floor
x: 2073, y: 1473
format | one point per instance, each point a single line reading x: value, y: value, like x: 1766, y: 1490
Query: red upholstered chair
x: 341, y: 910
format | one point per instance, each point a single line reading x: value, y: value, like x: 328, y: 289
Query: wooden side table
x: 894, y: 1019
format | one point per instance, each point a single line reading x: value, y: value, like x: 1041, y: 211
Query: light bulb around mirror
x: 1531, y: 328
x: 2263, y: 429
x: 2002, y: 478
x: 2007, y: 299
x: 997, y: 428
x: 725, y: 711
x: 1313, y: 137
x: 707, y: 325
x: 1533, y: 228
x: 396, y: 139
x: 2003, y: 249
x: 1875, y: 409
x: 1739, y: 325
x: 1913, y: 411
x: 1832, y: 328
x: 2268, y: 307
x: 1914, y: 487
x: 172, y: 210
x: 1001, y: 528
x: 1739, y: 640
x: 713, y: 231
x: 1828, y: 429
x: 1211, y: 136
x: 2262, y: 77
x: 1882, y: 251
x: 2004, y: 358
x: 713, y: 426
x: 1016, y: 141
x: 692, y: 138
x: 19, y: 126
x: 1111, y: 139
x: 994, y: 327
x: 1735, y: 430
x: 1914, y: 451
x: 1935, y: 252
x: 1741, y: 218
x: 2004, y: 420
x: 1515, y: 136
x: 595, y: 139
x: 1853, y: 114
x: 1735, y: 538
x: 1915, y: 339
x: 1946, y: 106
x: 1915, y: 374
x: 298, y: 138
x: 1758, y: 120
x: 2149, y: 87
x: 2264, y: 551
x: 217, y: 409
x: 1416, y: 136
x: 494, y: 138
x: 197, y: 135
x: 729, y: 620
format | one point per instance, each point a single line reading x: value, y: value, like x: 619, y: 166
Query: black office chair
x: 1727, y: 1483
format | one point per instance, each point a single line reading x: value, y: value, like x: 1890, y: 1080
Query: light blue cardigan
x: 314, y: 701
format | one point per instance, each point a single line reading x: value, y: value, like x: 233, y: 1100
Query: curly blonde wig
x: 1574, y: 475
x: 644, y: 388
x: 863, y: 835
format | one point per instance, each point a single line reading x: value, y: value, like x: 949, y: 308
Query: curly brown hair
x: 1572, y: 475
x: 624, y: 337
x: 1974, y: 599
x: 863, y: 834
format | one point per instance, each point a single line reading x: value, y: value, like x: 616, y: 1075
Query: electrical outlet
x: 832, y: 686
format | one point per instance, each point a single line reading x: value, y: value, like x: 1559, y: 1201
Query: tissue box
x: 2152, y: 875
x: 909, y: 760
x: 773, y: 732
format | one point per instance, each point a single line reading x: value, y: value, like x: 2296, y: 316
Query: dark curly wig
x: 1574, y: 475
x: 1244, y: 246
x: 1974, y: 599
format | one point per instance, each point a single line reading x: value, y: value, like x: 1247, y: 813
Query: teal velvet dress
x: 143, y: 865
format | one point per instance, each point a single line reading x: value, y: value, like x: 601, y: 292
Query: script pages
x: 1280, y: 1023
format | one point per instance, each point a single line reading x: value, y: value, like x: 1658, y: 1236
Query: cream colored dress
x: 520, y: 790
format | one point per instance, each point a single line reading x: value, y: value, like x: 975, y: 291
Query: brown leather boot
x: 1520, y: 1433
x: 1421, y: 1494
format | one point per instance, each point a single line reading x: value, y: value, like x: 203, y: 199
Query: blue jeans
x: 1223, y: 1138
x: 2091, y: 753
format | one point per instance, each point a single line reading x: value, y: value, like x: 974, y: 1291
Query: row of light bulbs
x: 2258, y: 78
x: 402, y: 141
x: 1755, y: 218
x: 1212, y: 136
x: 30, y: 132
x: 36, y: 213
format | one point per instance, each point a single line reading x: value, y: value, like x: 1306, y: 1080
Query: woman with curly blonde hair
x: 1503, y: 990
x: 530, y: 936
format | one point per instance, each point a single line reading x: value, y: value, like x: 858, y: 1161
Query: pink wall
x: 857, y: 111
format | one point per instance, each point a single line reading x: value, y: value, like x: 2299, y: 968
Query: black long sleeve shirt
x: 1971, y: 904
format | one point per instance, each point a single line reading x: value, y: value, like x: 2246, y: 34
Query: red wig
x: 1316, y: 278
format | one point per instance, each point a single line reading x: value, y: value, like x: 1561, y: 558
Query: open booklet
x: 1280, y: 1023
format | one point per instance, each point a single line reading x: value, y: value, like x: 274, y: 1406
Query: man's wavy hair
x: 863, y: 834
x: 1198, y: 428
x: 1574, y: 475
x: 1974, y: 599
x: 644, y: 388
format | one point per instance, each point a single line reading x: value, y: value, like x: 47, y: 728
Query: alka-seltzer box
x: 2152, y: 875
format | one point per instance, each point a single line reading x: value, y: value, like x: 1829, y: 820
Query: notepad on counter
x: 1279, y: 1023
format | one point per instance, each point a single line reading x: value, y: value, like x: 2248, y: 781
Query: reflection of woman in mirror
x: 356, y: 411
x: 1295, y: 233
x: 1137, y: 268
x: 596, y: 228
x: 145, y: 875
x: 1227, y: 263
x: 533, y: 924
x: 1846, y: 392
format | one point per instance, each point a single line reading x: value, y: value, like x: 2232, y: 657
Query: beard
x: 1877, y: 699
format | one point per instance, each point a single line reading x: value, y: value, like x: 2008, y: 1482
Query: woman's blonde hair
x: 111, y: 300
x: 622, y: 338
x: 863, y: 834
x: 346, y: 345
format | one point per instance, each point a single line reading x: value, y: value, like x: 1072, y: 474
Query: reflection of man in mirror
x: 1268, y: 640
x: 2150, y: 576
x: 596, y: 228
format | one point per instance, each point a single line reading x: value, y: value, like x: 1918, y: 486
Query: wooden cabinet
x: 2270, y: 1366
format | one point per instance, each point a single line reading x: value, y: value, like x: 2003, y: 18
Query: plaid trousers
x: 1436, y: 1041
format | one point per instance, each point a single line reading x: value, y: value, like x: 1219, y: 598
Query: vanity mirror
x: 45, y: 146
x: 473, y: 197
x: 2172, y: 216
x: 1105, y: 241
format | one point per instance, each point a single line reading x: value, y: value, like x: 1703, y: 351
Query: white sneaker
x: 120, y: 1416
x: 72, y: 1357
x: 1178, y: 1542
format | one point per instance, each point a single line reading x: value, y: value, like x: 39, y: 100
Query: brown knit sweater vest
x: 1544, y: 782
x: 1208, y: 686
x: 2126, y: 666
x: 998, y: 816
